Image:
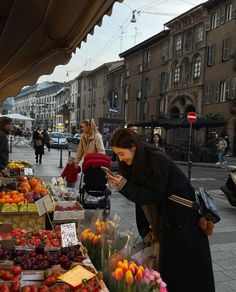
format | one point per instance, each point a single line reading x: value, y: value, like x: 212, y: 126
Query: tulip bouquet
x: 130, y: 277
x: 97, y: 238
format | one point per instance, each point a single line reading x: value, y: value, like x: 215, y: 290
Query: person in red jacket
x: 70, y: 172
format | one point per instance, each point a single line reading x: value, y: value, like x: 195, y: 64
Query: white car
x: 58, y: 140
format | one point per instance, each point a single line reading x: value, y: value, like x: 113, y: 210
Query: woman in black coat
x: 147, y: 176
x: 38, y: 140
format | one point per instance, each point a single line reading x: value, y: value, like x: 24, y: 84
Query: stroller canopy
x: 96, y: 160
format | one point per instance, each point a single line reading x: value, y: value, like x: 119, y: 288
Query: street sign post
x: 191, y: 117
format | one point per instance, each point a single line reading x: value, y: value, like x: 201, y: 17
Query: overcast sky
x: 118, y: 34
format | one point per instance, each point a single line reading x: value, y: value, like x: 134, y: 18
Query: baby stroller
x: 93, y: 189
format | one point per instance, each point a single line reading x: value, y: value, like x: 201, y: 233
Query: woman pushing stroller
x: 91, y: 140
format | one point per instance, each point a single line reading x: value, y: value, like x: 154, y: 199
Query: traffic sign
x: 191, y: 117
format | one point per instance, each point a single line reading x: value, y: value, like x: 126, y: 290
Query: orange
x: 33, y: 182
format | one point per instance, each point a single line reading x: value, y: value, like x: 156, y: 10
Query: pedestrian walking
x: 91, y: 140
x: 227, y: 149
x: 148, y: 178
x: 221, y: 146
x: 6, y: 127
x: 38, y: 141
x: 70, y: 172
x: 46, y: 139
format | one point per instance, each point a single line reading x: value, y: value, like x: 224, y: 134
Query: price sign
x: 28, y: 171
x: 68, y: 235
x: 75, y: 276
x: 45, y: 204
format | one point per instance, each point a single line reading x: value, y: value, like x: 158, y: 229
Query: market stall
x: 69, y: 255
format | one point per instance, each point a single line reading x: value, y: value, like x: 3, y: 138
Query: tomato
x: 26, y: 289
x: 16, y: 270
x: 43, y: 288
x: 34, y: 288
x: 50, y: 281
x: 4, y: 288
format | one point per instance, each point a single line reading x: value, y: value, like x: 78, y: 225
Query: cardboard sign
x: 44, y: 205
x: 75, y: 276
x: 68, y: 235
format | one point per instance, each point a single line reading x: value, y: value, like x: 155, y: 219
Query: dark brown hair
x: 126, y: 138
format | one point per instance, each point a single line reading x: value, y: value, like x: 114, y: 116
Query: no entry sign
x: 191, y: 117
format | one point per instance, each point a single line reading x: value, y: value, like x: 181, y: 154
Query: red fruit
x: 16, y: 270
x: 6, y: 275
x: 4, y: 288
x: 34, y: 288
x: 43, y: 288
x: 50, y: 281
x: 56, y: 289
x: 26, y: 289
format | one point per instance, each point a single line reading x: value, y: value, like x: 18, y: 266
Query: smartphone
x: 106, y: 170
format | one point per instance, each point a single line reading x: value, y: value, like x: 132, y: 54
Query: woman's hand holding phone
x: 115, y: 180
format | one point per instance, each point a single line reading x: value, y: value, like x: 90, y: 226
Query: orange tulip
x: 98, y: 226
x: 91, y: 236
x: 139, y: 275
x: 118, y: 274
x: 120, y: 264
x: 129, y: 279
x: 125, y: 266
x: 133, y: 268
x: 96, y: 239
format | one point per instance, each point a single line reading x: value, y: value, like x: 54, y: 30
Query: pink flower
x: 163, y: 284
x: 156, y: 274
x: 163, y: 289
x: 146, y: 280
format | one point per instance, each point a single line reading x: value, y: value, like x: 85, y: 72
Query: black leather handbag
x: 204, y: 204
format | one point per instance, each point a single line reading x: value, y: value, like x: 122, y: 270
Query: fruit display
x: 68, y: 208
x: 12, y: 197
x: 33, y: 188
x: 12, y: 278
x: 48, y: 238
x: 16, y: 164
x: 41, y: 259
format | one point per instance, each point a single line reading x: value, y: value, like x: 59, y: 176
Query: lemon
x: 31, y: 208
x: 10, y: 208
x: 23, y: 208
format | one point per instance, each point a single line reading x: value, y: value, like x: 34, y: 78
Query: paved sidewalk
x: 223, y: 241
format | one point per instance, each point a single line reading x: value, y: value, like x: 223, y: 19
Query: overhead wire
x: 115, y: 36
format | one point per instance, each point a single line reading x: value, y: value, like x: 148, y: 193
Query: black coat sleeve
x: 155, y: 188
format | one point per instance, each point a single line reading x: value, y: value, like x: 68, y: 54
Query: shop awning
x: 37, y: 35
x: 181, y: 123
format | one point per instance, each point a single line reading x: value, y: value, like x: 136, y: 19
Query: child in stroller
x: 94, y: 191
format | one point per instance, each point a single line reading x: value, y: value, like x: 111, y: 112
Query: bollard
x: 190, y: 164
x: 10, y: 150
x: 60, y: 166
x: 69, y: 152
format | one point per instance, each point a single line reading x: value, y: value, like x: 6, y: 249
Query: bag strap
x: 184, y: 202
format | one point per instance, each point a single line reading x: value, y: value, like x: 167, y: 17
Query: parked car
x: 58, y: 140
x: 76, y: 138
x: 68, y: 136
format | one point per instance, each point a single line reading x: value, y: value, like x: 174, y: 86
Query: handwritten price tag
x: 75, y: 276
x: 68, y: 235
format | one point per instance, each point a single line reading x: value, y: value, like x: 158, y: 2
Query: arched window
x: 197, y: 64
x: 176, y: 72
